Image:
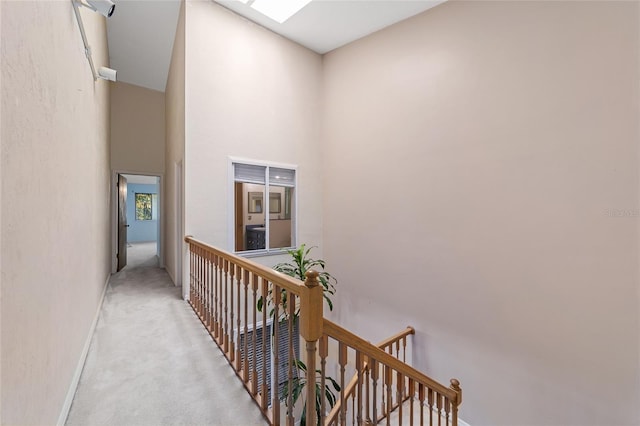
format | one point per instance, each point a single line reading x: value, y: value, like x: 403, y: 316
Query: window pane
x: 249, y: 173
x: 281, y: 177
x: 280, y: 225
x: 143, y: 207
x: 250, y: 206
x: 263, y: 219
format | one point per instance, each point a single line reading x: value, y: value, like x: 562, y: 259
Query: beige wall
x: 249, y: 94
x: 137, y: 129
x: 471, y: 155
x: 174, y: 151
x: 55, y: 229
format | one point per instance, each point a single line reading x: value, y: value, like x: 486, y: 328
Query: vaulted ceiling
x: 141, y: 32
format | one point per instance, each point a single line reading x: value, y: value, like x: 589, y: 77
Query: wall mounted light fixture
x: 105, y: 8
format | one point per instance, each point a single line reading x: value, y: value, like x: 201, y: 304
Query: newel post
x: 311, y: 318
x: 455, y: 385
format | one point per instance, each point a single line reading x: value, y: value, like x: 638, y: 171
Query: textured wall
x: 473, y: 156
x: 137, y: 129
x: 252, y: 94
x: 55, y: 229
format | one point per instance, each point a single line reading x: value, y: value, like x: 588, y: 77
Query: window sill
x: 263, y: 253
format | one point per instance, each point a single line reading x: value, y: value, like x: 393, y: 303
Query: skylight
x: 279, y: 10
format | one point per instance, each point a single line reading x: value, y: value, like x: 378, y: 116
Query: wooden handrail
x: 351, y: 387
x: 372, y: 352
x: 396, y: 337
x: 288, y: 283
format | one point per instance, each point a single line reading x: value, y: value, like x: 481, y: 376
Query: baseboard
x: 83, y: 357
x: 173, y: 280
x: 462, y: 423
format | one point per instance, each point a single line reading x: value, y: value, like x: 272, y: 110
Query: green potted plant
x: 297, y: 268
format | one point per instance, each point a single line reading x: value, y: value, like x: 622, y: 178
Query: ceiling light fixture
x: 105, y: 8
x: 279, y: 10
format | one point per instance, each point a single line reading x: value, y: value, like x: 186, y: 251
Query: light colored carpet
x: 142, y: 255
x: 151, y: 362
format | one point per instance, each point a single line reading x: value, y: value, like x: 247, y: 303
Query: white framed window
x: 263, y: 206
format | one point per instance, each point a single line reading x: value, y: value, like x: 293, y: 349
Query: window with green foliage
x: 144, y: 205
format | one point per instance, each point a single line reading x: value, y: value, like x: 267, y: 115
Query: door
x: 122, y: 222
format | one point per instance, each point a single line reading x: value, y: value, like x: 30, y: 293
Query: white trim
x: 231, y: 207
x: 71, y: 393
x: 264, y: 163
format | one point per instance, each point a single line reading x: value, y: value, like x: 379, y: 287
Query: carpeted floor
x: 152, y: 363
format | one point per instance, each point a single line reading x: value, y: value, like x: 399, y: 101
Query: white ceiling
x: 141, y: 32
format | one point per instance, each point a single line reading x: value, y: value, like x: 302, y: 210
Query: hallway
x: 152, y: 363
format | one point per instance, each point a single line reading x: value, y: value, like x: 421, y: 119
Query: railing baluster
x: 291, y: 308
x: 400, y: 395
x: 412, y: 397
x: 239, y: 320
x: 230, y: 301
x: 200, y: 286
x: 205, y: 291
x: 216, y: 283
x: 359, y: 368
x: 388, y: 378
x: 254, y: 344
x: 264, y: 389
x: 275, y: 389
x: 210, y: 291
x: 196, y: 282
x: 383, y: 398
x: 374, y: 376
x: 367, y: 379
x: 447, y: 410
x: 245, y: 365
x: 421, y: 399
x: 404, y: 349
x: 225, y: 303
x: 199, y: 280
x: 430, y: 404
x: 342, y: 361
x: 218, y: 298
x: 439, y: 405
x: 323, y: 350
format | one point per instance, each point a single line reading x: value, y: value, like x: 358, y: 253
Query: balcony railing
x: 257, y: 317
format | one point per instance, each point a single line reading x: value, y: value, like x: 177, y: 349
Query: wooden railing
x: 395, y: 345
x: 385, y: 384
x: 257, y: 316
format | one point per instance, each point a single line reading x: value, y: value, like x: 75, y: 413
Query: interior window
x: 263, y: 207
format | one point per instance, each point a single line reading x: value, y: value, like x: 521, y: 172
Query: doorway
x: 138, y: 221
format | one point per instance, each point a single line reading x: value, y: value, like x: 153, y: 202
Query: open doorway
x: 138, y: 228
